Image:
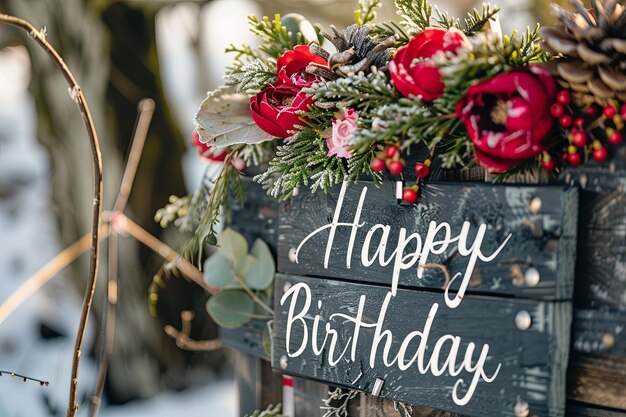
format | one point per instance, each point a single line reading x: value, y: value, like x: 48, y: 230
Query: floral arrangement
x: 313, y: 107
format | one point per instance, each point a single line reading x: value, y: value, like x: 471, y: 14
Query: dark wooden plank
x: 600, y: 332
x: 258, y: 216
x: 544, y: 240
x: 532, y: 361
x: 599, y: 380
x: 579, y: 410
x: 248, y: 338
x: 247, y: 377
x: 308, y: 397
x: 372, y: 406
x: 601, y: 264
x: 257, y: 384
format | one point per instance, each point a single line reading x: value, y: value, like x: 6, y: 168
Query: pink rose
x: 338, y: 143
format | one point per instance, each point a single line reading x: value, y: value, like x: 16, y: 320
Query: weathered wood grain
x: 533, y: 361
x: 599, y: 380
x: 601, y: 264
x: 583, y: 411
x: 545, y: 240
x: 308, y: 396
x: 600, y: 332
x: 247, y: 338
x: 257, y: 384
x: 258, y: 216
x: 371, y: 406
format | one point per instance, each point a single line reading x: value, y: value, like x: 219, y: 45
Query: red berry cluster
x: 586, y: 129
x: 391, y: 159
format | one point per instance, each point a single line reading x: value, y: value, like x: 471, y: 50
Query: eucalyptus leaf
x: 262, y: 275
x: 230, y: 308
x: 232, y: 245
x: 246, y: 265
x: 218, y: 271
x: 224, y: 119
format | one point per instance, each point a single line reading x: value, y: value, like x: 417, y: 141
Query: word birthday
x: 444, y: 354
x: 437, y: 240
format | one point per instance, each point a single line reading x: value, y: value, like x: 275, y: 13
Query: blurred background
x: 120, y: 53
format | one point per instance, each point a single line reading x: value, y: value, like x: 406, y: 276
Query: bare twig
x: 76, y: 94
x: 47, y: 272
x: 146, y: 110
x: 25, y: 378
x: 124, y: 224
x: 185, y: 342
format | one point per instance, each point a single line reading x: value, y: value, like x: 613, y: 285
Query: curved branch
x: 76, y: 94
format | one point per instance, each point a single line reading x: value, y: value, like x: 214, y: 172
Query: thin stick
x: 76, y: 94
x: 124, y: 224
x: 47, y: 272
x: 146, y: 111
x: 25, y: 378
x: 185, y: 342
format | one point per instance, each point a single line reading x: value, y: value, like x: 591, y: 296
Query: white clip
x: 378, y: 386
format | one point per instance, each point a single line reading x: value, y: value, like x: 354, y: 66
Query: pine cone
x: 356, y: 52
x: 592, y: 48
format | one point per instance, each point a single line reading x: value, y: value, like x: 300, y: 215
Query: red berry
x: 396, y: 167
x: 623, y: 111
x: 573, y: 158
x: 565, y: 120
x: 579, y: 122
x: 579, y: 138
x: 563, y: 97
x: 409, y: 195
x: 391, y: 151
x: 591, y: 111
x: 377, y: 164
x: 556, y: 110
x: 609, y: 111
x: 422, y: 170
x: 549, y: 165
x: 600, y: 154
x: 615, y: 138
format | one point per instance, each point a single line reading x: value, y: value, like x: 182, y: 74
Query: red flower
x: 275, y: 109
x: 206, y: 151
x: 292, y: 66
x: 508, y: 117
x: 411, y: 68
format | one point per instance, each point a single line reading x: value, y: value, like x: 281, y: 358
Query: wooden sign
x: 487, y: 357
x: 494, y: 239
x: 471, y: 311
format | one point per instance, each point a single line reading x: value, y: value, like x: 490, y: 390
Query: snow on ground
x: 27, y: 241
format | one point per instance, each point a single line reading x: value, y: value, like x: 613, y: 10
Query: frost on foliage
x: 224, y: 119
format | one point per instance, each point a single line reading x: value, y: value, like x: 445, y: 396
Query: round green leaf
x: 232, y: 245
x: 261, y: 276
x: 218, y: 271
x: 230, y: 308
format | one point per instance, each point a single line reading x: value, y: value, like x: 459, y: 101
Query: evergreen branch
x: 416, y: 14
x: 277, y: 39
x: 251, y: 76
x: 384, y: 30
x: 366, y: 13
x: 476, y: 20
x: 357, y: 91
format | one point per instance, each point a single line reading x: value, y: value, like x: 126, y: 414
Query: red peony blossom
x: 206, y: 151
x: 411, y: 68
x: 292, y: 66
x: 508, y: 117
x: 275, y: 108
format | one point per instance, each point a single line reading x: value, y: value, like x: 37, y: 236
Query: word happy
x: 439, y: 357
x: 430, y: 244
